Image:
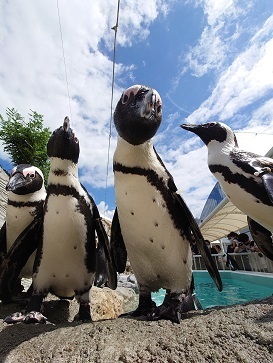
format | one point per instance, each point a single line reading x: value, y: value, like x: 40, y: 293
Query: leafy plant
x: 25, y: 141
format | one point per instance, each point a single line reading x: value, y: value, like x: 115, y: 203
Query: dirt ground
x: 242, y: 333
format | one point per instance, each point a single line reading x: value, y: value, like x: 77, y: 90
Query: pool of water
x: 237, y: 288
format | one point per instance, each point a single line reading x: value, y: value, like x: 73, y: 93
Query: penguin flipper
x: 263, y: 168
x: 262, y: 237
x: 267, y: 179
x: 3, y: 241
x: 105, y: 271
x: 117, y: 245
x: 201, y: 244
x: 17, y: 256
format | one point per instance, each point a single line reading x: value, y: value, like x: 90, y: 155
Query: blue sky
x: 210, y: 60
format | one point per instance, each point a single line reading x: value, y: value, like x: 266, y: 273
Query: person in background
x: 223, y: 257
x: 218, y: 249
x: 231, y: 263
x: 243, y: 243
x: 249, y: 244
x: 232, y: 237
x: 194, y: 247
x: 212, y: 249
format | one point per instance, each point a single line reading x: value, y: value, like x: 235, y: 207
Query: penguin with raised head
x: 26, y: 197
x: 65, y: 263
x: 152, y: 222
x: 245, y: 177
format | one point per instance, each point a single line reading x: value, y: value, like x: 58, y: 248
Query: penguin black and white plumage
x: 245, y: 177
x: 152, y: 222
x: 26, y: 197
x: 65, y: 263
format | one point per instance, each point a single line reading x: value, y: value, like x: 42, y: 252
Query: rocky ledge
x: 241, y: 333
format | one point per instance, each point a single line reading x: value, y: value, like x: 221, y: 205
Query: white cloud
x: 104, y: 210
x: 216, y: 42
x: 247, y: 80
x: 32, y: 69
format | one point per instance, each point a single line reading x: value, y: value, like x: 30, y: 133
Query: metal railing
x: 247, y: 261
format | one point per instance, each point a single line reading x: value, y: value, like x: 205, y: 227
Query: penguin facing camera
x: 152, y: 222
x: 245, y: 177
x: 26, y: 197
x: 66, y: 258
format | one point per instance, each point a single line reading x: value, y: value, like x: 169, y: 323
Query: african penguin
x: 65, y: 263
x: 152, y: 222
x: 245, y: 177
x: 26, y: 197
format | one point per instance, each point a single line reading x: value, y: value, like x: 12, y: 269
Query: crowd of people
x: 239, y: 243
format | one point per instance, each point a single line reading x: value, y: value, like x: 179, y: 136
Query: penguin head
x: 213, y: 131
x: 138, y: 114
x: 25, y: 179
x: 63, y: 143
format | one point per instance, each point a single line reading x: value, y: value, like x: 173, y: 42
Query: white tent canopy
x: 222, y: 220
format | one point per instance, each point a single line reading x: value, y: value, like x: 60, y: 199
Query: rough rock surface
x: 242, y: 333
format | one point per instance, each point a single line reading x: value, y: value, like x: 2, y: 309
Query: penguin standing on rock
x: 245, y: 177
x: 26, y: 197
x: 152, y: 222
x: 65, y: 263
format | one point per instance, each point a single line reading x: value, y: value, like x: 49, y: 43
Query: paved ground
x: 242, y: 333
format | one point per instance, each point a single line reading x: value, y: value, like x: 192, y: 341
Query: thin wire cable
x: 61, y: 33
x: 115, y: 28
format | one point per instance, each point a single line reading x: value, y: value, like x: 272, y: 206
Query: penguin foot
x: 171, y: 313
x: 14, y: 318
x: 84, y: 314
x: 145, y: 305
x: 143, y: 310
x: 35, y: 317
x: 27, y: 318
x: 174, y: 305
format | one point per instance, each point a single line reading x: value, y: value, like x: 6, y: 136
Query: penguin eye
x: 131, y: 90
x: 31, y: 175
x: 125, y: 98
x: 210, y: 124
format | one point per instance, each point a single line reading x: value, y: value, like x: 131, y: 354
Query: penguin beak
x: 15, y: 182
x: 191, y: 127
x: 66, y: 124
x: 152, y: 106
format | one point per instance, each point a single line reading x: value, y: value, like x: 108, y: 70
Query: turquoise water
x: 237, y: 288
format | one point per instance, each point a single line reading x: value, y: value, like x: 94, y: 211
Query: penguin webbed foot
x: 31, y: 317
x: 84, y: 314
x: 140, y: 311
x: 173, y: 307
x: 145, y: 306
x: 35, y: 317
x: 14, y: 318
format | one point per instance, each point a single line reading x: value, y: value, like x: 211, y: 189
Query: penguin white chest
x: 159, y: 255
x: 17, y: 220
x: 248, y: 203
x: 62, y: 264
